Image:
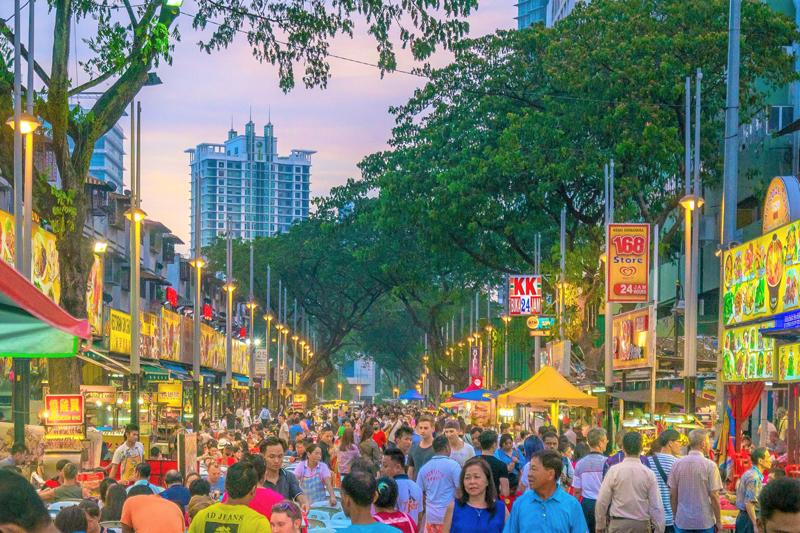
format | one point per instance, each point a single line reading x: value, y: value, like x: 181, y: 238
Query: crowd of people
x: 390, y: 468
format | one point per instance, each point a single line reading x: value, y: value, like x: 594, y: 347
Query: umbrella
x: 477, y: 395
x: 412, y: 395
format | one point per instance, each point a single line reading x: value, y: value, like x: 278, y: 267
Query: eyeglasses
x: 288, y: 506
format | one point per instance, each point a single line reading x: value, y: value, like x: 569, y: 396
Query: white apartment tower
x: 245, y: 180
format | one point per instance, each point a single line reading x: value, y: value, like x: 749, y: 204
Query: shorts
x: 434, y: 528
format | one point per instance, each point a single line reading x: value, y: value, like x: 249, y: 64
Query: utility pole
x: 279, y: 361
x: 197, y: 262
x: 609, y: 337
x: 690, y: 331
x: 229, y: 314
x: 135, y: 216
x: 563, y: 272
x: 267, y: 384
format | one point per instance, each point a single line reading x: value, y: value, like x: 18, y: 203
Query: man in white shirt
x: 438, y: 479
x: 283, y: 432
x: 246, y: 420
x: 459, y: 452
x: 631, y: 491
x: 409, y: 495
x: 127, y: 455
x: 589, y: 474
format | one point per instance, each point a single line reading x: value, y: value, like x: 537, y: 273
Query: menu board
x: 747, y: 355
x: 789, y: 363
x: 170, y: 336
x: 148, y: 340
x: 761, y: 276
x: 45, y: 265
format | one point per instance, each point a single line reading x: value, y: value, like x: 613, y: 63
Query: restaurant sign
x: 782, y: 203
x: 104, y: 394
x: 525, y: 295
x: 170, y: 394
x: 64, y: 409
x: 627, y: 264
x: 761, y: 276
x: 119, y: 327
x: 170, y: 336
x: 747, y: 355
x: 632, y: 339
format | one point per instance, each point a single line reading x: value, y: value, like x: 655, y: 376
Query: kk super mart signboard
x: 525, y: 295
x: 633, y: 339
x: 627, y: 265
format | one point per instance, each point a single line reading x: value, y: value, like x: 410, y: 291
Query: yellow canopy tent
x: 544, y: 389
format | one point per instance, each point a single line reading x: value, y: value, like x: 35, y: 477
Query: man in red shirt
x: 378, y: 436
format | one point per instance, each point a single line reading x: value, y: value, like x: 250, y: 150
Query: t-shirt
x: 286, y: 485
x: 379, y: 438
x: 438, y: 479
x: 498, y: 468
x: 230, y: 519
x: 67, y: 492
x: 409, y: 497
x: 589, y: 475
x: 398, y: 520
x: 418, y: 456
x: 294, y: 431
x: 463, y: 455
x: 262, y: 502
x: 127, y: 458
x: 283, y: 433
x: 155, y: 488
x: 152, y: 514
x: 377, y: 527
x: 666, y: 461
x: 219, y: 486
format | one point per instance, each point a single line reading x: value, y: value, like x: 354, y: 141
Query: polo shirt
x: 588, y: 475
x: 694, y: 477
x: 287, y: 485
x: 438, y: 479
x: 409, y: 497
x: 560, y: 513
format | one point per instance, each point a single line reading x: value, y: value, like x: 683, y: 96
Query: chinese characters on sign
x: 170, y: 394
x: 64, y: 409
x: 474, y: 361
x: 119, y: 339
x: 628, y: 265
x: 525, y: 295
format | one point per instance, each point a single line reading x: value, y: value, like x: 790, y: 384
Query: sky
x: 202, y: 93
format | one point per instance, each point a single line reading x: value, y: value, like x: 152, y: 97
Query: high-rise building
x: 530, y: 12
x: 107, y: 158
x: 245, y: 179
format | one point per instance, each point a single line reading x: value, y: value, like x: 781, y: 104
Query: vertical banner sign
x: 525, y: 295
x: 628, y: 263
x: 119, y: 338
x: 632, y: 344
x: 94, y: 296
x: 187, y: 453
x: 261, y: 362
x: 558, y: 355
x: 474, y: 361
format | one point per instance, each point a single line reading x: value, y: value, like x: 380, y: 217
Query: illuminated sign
x: 632, y: 342
x: 64, y: 409
x: 747, y: 355
x: 525, y: 295
x: 627, y: 265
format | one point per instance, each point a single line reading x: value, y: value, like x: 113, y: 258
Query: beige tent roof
x: 545, y: 387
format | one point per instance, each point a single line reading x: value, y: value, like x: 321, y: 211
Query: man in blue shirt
x: 546, y: 508
x: 359, y: 490
x: 264, y: 416
x: 141, y: 476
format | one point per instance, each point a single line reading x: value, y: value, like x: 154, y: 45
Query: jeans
x: 743, y: 523
x: 588, y: 504
x: 679, y: 530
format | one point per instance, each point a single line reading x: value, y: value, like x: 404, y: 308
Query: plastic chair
x: 322, y: 530
x: 793, y: 470
x: 313, y: 523
x: 319, y: 514
x: 323, y: 506
x: 339, y: 516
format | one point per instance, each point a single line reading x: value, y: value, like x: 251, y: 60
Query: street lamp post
x: 339, y: 386
x: 322, y: 389
x: 229, y: 288
x: 278, y: 360
x: 251, y: 306
x: 358, y: 388
x: 295, y: 338
x: 489, y: 354
x: 506, y: 320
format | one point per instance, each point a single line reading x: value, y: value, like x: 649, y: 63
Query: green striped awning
x: 155, y: 373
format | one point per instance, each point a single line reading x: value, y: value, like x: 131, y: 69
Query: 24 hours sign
x: 628, y: 267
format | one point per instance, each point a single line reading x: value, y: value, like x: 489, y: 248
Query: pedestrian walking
x: 749, y: 490
x: 476, y: 508
x: 439, y: 480
x: 629, y: 494
x: 661, y: 462
x: 694, y: 486
x: 386, y: 511
x: 589, y: 474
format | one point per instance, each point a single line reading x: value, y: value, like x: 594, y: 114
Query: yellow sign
x: 632, y: 343
x: 628, y: 265
x: 170, y: 394
x: 170, y: 336
x: 119, y: 332
x: 789, y: 363
x: 94, y: 296
x: 747, y: 355
x: 761, y: 276
x: 207, y: 346
x: 300, y: 398
x: 45, y: 267
x: 148, y: 340
x: 776, y: 206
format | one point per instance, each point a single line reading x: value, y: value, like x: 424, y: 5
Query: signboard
x: 172, y: 297
x: 64, y: 409
x: 781, y: 203
x: 300, y: 398
x: 45, y: 265
x: 241, y: 358
x: 119, y: 327
x: 628, y: 263
x: 170, y: 336
x: 148, y: 341
x: 789, y: 363
x: 64, y: 438
x: 261, y: 362
x: 170, y: 394
x: 477, y: 381
x: 747, y: 355
x: 90, y: 480
x: 218, y: 350
x: 632, y: 339
x: 525, y: 295
x: 207, y: 312
x: 558, y: 356
x: 761, y: 276
x: 540, y: 326
x: 187, y: 453
x: 206, y: 345
x: 104, y: 394
x: 474, y: 361
x: 187, y: 340
x: 94, y: 296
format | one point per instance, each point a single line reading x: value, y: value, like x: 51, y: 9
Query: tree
x: 519, y: 126
x: 125, y: 49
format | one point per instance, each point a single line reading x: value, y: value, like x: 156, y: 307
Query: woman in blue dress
x: 476, y: 508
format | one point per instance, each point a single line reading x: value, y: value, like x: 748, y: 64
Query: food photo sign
x: 747, y: 355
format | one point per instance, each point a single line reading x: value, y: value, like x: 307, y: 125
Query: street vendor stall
x: 546, y: 390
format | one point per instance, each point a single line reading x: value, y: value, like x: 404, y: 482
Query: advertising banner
x: 628, y: 263
x: 540, y: 326
x: 148, y: 341
x: 747, y: 355
x: 632, y: 339
x: 104, y: 394
x: 187, y: 453
x: 558, y: 356
x: 170, y: 394
x: 761, y: 276
x: 64, y: 409
x: 45, y: 265
x: 218, y: 351
x: 525, y: 295
x: 187, y: 340
x: 474, y: 361
x: 207, y: 345
x: 119, y: 328
x: 261, y: 362
x: 170, y: 336
x: 94, y: 296
x: 241, y: 358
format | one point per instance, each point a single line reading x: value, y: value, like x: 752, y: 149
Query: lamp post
x: 358, y: 388
x: 268, y: 384
x: 322, y: 389
x: 489, y: 358
x: 690, y: 203
x: 339, y: 386
x: 198, y: 263
x: 251, y: 306
x: 295, y: 338
x: 506, y: 320
x: 229, y: 288
x: 395, y: 392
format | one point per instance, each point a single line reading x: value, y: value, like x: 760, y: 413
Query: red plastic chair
x: 793, y: 470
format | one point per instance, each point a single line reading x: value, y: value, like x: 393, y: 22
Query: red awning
x: 17, y: 291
